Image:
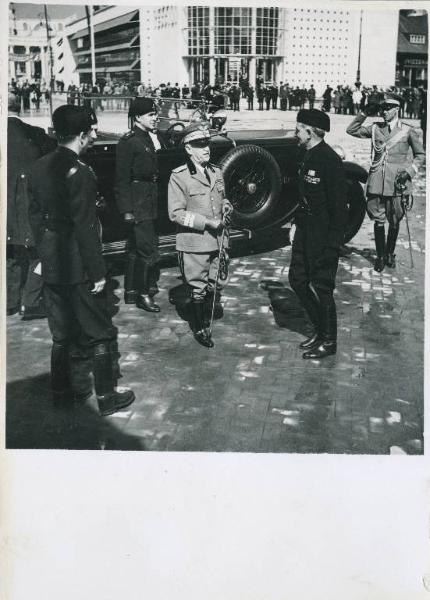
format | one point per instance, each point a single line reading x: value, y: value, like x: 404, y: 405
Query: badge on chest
x: 312, y: 177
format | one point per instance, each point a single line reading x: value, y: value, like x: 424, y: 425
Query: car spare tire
x: 356, y: 209
x: 253, y: 184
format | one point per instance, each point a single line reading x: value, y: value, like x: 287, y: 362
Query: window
x: 417, y: 39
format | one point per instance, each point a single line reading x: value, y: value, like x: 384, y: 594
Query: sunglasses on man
x: 388, y: 107
x: 202, y: 143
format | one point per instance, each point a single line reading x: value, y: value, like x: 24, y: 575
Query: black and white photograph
x: 214, y: 361
x: 216, y: 228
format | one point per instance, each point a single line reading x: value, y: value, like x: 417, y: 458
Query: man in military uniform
x: 197, y: 205
x: 391, y: 172
x: 320, y: 224
x: 25, y: 144
x: 137, y: 200
x: 62, y: 212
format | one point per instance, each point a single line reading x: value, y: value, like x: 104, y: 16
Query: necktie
x: 207, y: 175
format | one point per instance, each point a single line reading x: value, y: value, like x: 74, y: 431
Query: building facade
x: 30, y: 54
x: 412, y: 49
x: 211, y: 44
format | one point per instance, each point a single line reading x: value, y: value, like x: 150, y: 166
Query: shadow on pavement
x: 286, y: 308
x: 33, y: 422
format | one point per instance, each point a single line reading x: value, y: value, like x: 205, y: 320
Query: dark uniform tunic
x: 137, y: 193
x: 25, y: 144
x: 66, y: 231
x: 320, y: 223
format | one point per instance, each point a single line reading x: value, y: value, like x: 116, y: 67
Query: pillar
x: 211, y: 70
x: 252, y: 72
x: 27, y: 64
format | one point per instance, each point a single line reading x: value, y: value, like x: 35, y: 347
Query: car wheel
x: 356, y: 210
x: 253, y: 184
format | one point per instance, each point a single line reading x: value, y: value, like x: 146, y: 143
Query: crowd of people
x: 347, y: 100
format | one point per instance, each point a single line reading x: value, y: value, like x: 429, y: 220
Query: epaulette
x: 179, y: 169
x: 128, y: 134
x: 87, y: 166
x: 72, y: 171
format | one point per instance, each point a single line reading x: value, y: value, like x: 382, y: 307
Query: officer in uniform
x: 197, y: 205
x: 391, y: 170
x: 25, y: 144
x: 62, y: 212
x: 137, y: 200
x: 320, y: 224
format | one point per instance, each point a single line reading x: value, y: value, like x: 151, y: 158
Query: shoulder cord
x: 378, y: 152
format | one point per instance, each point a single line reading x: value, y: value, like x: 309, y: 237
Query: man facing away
x: 391, y: 171
x: 62, y: 214
x: 320, y: 224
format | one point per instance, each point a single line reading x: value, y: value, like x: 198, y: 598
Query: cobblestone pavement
x: 252, y: 392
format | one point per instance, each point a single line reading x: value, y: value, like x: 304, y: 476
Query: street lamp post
x: 51, y: 59
x: 358, y: 82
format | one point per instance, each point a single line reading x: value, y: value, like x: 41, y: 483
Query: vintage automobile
x: 260, y: 170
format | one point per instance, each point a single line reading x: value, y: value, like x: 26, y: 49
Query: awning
x: 122, y: 20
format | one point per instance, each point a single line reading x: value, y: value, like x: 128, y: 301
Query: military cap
x: 71, y: 120
x: 314, y: 118
x: 13, y: 102
x: 391, y: 98
x: 141, y: 106
x: 194, y: 132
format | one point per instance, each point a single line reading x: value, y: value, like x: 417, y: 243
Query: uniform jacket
x: 395, y: 157
x: 137, y: 175
x: 192, y: 200
x: 62, y: 213
x: 25, y: 144
x: 323, y: 197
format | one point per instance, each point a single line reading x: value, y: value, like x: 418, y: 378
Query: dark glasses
x: 388, y: 106
x: 199, y: 143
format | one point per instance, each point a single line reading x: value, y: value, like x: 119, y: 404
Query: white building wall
x: 321, y: 47
x: 379, y: 47
x: 169, y: 46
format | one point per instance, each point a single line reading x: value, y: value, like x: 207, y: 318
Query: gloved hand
x: 371, y: 109
x: 215, y: 224
x: 227, y: 211
x: 402, y: 177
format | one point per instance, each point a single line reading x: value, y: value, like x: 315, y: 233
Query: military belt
x: 152, y: 179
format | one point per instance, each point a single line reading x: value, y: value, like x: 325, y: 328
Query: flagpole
x: 51, y: 66
x: 90, y: 11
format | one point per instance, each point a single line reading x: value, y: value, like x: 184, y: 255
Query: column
x: 211, y: 70
x: 252, y: 72
x: 190, y: 72
x: 27, y: 64
x: 43, y: 69
x: 252, y: 62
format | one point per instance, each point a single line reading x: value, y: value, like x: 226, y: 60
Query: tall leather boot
x: 60, y: 374
x: 130, y: 293
x: 201, y: 335
x: 328, y: 344
x: 379, y: 231
x: 142, y: 277
x: 310, y: 304
x: 109, y: 400
x: 80, y: 373
x: 390, y: 257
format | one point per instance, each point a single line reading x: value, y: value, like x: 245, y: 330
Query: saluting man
x: 320, y: 224
x: 391, y: 170
x: 137, y: 200
x: 197, y: 205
